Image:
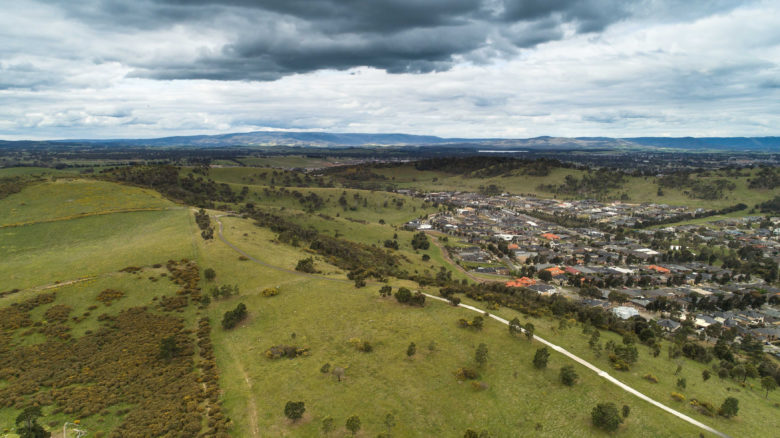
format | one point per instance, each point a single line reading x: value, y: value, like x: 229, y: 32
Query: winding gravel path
x: 598, y: 371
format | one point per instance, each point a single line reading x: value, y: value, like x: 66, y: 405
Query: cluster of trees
x: 420, y: 241
x: 771, y: 206
x: 204, y: 223
x: 288, y: 351
x: 289, y: 178
x: 198, y: 191
x: 593, y: 183
x: 767, y: 178
x: 233, y: 317
x: 476, y: 323
x: 708, y: 189
x: 224, y: 291
x: 392, y: 244
x: 405, y: 296
x: 360, y: 259
x: 11, y: 185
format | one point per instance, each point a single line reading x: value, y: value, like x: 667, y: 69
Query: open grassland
x: 758, y: 416
x: 8, y: 172
x: 289, y: 161
x: 421, y: 392
x: 639, y: 189
x: 66, y: 198
x: 432, y: 180
x: 43, y: 253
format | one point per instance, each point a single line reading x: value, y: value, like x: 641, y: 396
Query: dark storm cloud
x: 269, y: 39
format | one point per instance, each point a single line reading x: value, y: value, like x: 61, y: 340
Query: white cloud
x: 714, y: 75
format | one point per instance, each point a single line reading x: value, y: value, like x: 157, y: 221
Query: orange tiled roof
x: 555, y: 271
x: 521, y: 282
x: 550, y: 236
x: 660, y: 269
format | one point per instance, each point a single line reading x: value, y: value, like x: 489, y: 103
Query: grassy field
x: 324, y: 315
x: 64, y: 249
x: 289, y: 161
x: 639, y: 189
x: 758, y: 416
x: 40, y: 254
x: 66, y: 198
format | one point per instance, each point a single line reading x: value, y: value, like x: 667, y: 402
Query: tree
x: 27, y: 423
x: 568, y: 375
x: 294, y: 410
x: 481, y: 354
x: 515, y: 327
x: 730, y: 407
x: 540, y: 358
x: 389, y: 422
x: 420, y: 241
x: 209, y: 274
x: 769, y: 383
x: 529, y: 331
x: 353, y: 424
x: 605, y: 416
x: 306, y: 265
x: 328, y: 425
x: 411, y: 350
x: 738, y: 372
x: 705, y: 375
x: 625, y: 411
x: 682, y: 383
x: 168, y: 348
x: 545, y: 275
x: 233, y: 317
x: 403, y: 295
x: 325, y: 369
x: 385, y: 291
x: 594, y: 338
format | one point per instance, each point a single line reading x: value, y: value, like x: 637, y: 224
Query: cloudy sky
x: 457, y: 68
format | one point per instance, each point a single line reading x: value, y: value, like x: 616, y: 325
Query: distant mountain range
x: 324, y: 139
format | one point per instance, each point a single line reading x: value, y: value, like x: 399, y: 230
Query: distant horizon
x: 305, y: 131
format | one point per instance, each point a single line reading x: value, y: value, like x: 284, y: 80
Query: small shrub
x: 288, y: 351
x: 677, y: 396
x: 650, y: 378
x: 270, y: 291
x: 466, y: 374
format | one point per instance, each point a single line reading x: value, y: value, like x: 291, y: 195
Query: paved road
x: 598, y: 371
x: 557, y: 348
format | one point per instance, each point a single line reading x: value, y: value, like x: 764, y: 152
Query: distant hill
x: 325, y: 139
